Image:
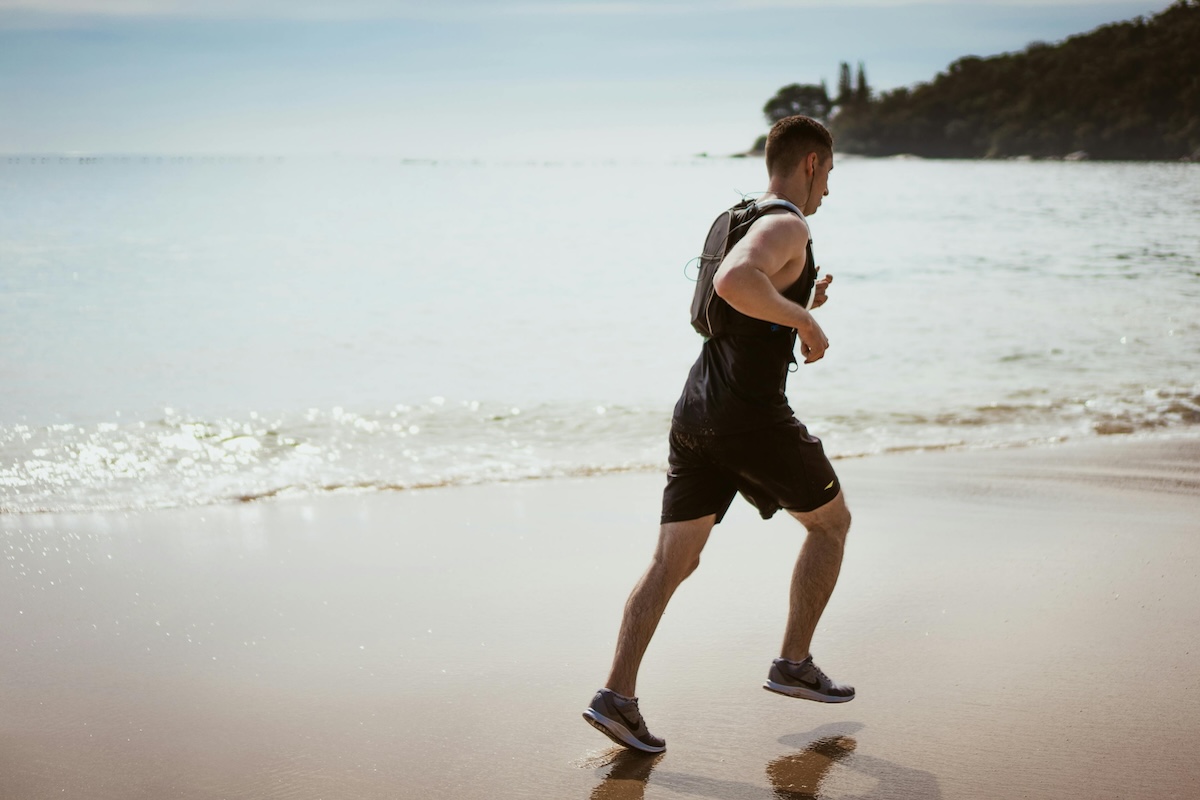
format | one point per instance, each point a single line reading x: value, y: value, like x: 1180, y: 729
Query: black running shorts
x: 782, y: 466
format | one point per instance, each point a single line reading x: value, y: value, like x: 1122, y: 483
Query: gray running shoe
x: 620, y: 720
x: 805, y: 679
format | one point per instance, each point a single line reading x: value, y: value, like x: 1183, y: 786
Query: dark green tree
x: 845, y: 89
x: 809, y: 99
x: 862, y: 92
x: 1129, y: 90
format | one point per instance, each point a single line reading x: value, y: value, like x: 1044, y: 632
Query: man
x: 733, y: 431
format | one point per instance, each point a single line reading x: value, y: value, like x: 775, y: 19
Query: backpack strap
x: 771, y: 204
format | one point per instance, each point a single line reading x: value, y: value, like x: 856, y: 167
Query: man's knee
x: 675, y: 570
x: 836, y: 530
x: 840, y: 526
x: 831, y: 520
x: 842, y: 522
x: 679, y: 546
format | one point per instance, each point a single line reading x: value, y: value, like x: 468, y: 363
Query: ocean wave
x: 178, y: 459
x: 1021, y: 420
x: 181, y: 460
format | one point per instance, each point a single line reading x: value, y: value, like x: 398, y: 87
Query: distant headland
x: 1125, y: 91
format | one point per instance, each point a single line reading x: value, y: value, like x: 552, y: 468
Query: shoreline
x: 1075, y: 157
x: 290, y: 494
x: 993, y: 609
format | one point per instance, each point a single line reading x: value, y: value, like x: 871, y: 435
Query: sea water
x: 180, y: 331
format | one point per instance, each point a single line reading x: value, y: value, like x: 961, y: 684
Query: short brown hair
x: 793, y: 138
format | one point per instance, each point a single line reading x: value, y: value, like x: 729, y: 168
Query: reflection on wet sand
x: 806, y: 774
x: 802, y: 775
x: 627, y: 778
x: 799, y: 776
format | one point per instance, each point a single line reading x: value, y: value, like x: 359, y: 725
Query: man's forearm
x: 752, y: 293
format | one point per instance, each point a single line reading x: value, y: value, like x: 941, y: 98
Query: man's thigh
x: 697, y: 485
x: 783, y: 466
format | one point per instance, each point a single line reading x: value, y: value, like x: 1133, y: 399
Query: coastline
x: 1018, y: 622
x: 1078, y: 155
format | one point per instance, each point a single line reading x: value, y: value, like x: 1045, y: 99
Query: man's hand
x: 813, y: 343
x: 822, y: 287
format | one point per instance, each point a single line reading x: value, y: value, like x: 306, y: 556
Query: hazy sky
x: 444, y: 78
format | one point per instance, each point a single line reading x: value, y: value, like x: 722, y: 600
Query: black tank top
x: 738, y: 383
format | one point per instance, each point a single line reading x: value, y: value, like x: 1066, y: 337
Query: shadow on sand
x: 795, y: 776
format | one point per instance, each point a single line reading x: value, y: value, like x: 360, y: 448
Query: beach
x: 308, y: 490
x: 326, y: 469
x: 1019, y: 622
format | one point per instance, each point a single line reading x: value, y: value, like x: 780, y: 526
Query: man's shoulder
x: 786, y: 235
x: 782, y: 222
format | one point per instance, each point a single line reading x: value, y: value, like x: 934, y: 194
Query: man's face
x: 820, y: 182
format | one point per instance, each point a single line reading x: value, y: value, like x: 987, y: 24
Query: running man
x: 733, y: 431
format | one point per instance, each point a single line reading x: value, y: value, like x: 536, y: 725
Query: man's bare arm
x: 745, y: 279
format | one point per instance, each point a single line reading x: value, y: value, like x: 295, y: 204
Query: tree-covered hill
x: 1130, y: 90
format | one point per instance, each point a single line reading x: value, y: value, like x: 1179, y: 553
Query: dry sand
x: 1020, y: 624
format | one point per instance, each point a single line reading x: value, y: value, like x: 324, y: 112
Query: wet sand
x: 1019, y: 623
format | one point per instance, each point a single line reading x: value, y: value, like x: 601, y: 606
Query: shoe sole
x: 618, y: 732
x: 804, y: 694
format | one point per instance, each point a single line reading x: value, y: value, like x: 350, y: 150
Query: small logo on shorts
x: 831, y: 483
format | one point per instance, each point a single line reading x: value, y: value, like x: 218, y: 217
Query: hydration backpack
x: 712, y: 316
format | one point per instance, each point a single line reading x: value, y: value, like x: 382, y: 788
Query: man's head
x: 791, y: 140
x: 799, y: 157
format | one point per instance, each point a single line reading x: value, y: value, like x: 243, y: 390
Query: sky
x: 463, y: 79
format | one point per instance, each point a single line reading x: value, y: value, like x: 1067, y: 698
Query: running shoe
x: 805, y: 680
x: 619, y: 719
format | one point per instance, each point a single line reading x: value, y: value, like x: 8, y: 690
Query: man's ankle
x: 626, y: 696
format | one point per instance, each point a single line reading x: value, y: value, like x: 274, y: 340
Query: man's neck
x: 797, y: 195
x: 772, y: 194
